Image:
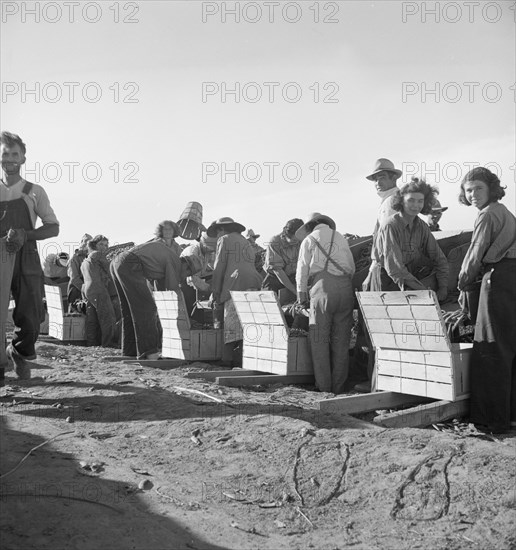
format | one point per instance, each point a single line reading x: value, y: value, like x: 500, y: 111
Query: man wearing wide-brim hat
x: 435, y: 216
x: 325, y: 269
x: 384, y: 175
x: 233, y: 270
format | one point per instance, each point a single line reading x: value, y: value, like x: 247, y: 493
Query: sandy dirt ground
x: 139, y: 463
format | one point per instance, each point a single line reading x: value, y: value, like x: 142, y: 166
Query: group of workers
x: 309, y: 263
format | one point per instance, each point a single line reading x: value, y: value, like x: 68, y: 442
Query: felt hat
x: 436, y: 207
x: 62, y: 259
x: 193, y: 262
x: 226, y: 223
x: 384, y: 165
x: 251, y: 234
x: 303, y: 232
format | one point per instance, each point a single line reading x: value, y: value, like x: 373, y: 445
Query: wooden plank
x: 212, y: 375
x: 264, y: 365
x: 114, y: 358
x: 163, y: 363
x: 366, y: 402
x: 255, y: 380
x: 425, y: 415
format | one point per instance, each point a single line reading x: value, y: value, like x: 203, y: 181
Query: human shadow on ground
x: 47, y: 504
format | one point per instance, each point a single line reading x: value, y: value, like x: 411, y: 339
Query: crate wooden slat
x: 267, y: 345
x: 180, y: 341
x: 67, y: 327
x: 413, y: 352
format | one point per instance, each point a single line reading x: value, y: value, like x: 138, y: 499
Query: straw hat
x: 384, y: 165
x: 251, y: 234
x: 303, y: 232
x: 190, y: 222
x: 227, y: 223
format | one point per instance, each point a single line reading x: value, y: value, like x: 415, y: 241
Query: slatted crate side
x: 253, y: 296
x: 418, y: 371
x: 411, y: 386
x: 265, y: 336
x: 205, y: 345
x: 74, y: 328
x: 299, y: 356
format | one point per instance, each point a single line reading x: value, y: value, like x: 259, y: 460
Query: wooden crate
x: 413, y: 352
x: 267, y: 344
x: 180, y: 341
x: 68, y: 327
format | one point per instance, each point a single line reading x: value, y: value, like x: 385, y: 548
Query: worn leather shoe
x: 21, y: 368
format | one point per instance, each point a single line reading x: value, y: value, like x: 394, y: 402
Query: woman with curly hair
x: 406, y: 251
x: 491, y: 258
x: 166, y: 232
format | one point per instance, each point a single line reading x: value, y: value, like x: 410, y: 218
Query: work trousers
x: 331, y: 319
x: 6, y: 273
x: 493, y: 361
x: 98, y: 297
x: 140, y: 332
x: 25, y: 280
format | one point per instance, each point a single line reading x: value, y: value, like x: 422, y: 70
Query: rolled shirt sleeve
x: 303, y: 266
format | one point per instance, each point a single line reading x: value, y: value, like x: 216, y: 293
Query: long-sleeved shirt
x: 95, y: 272
x: 401, y: 249
x: 74, y: 269
x: 494, y: 238
x: 234, y: 267
x: 312, y: 260
x: 282, y: 254
x: 160, y: 263
x: 385, y: 211
x: 207, y: 259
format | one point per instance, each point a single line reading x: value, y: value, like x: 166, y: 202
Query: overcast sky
x: 131, y: 109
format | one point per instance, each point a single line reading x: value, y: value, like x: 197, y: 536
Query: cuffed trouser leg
x: 6, y: 273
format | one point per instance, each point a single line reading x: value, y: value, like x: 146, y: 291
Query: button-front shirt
x: 401, y: 249
x: 494, y: 238
x: 312, y: 260
x: 37, y: 201
x: 282, y: 254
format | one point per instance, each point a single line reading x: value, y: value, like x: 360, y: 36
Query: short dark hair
x: 9, y: 139
x: 416, y: 186
x: 159, y: 229
x: 292, y: 226
x: 496, y: 191
x: 92, y: 243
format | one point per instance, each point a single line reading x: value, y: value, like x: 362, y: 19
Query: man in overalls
x: 21, y: 203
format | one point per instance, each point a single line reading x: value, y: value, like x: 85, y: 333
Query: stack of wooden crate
x: 180, y: 340
x: 267, y: 346
x: 413, y: 351
x: 68, y: 327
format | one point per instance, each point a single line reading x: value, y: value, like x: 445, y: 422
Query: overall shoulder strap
x: 27, y: 188
x: 328, y: 258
